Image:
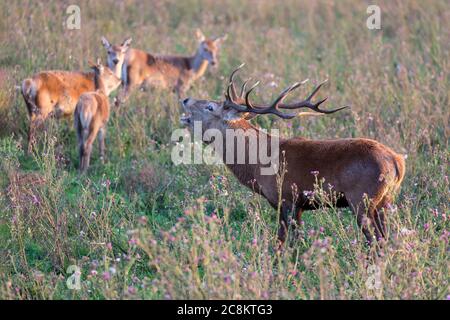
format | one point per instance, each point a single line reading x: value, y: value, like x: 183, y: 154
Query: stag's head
x: 237, y: 107
x: 116, y: 54
x: 208, y: 49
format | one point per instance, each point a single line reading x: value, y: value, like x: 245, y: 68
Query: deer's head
x: 105, y: 79
x: 208, y: 49
x: 236, y: 109
x: 116, y: 54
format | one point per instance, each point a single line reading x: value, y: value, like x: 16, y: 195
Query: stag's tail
x: 399, y: 162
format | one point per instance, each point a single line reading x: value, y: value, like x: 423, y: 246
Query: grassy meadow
x: 140, y: 227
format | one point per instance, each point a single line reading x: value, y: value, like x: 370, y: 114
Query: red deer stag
x: 174, y: 72
x: 92, y: 113
x: 358, y: 169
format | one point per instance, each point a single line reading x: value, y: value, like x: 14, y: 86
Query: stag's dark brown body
x: 362, y: 174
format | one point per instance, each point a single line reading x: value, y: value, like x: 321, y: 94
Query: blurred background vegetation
x: 140, y: 227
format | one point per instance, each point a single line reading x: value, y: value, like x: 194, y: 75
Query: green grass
x: 141, y: 227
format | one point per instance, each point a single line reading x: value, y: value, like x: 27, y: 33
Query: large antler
x: 242, y: 102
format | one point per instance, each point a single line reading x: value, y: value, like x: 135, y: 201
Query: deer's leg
x: 122, y: 96
x: 357, y: 205
x: 124, y: 92
x: 379, y: 217
x: 177, y: 91
x: 101, y: 143
x: 81, y: 154
x: 361, y: 219
x: 88, y: 148
x: 180, y: 89
x: 298, y: 216
x: 283, y: 223
x: 297, y: 221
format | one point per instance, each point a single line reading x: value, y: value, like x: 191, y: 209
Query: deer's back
x: 60, y: 90
x: 346, y: 164
x: 158, y: 70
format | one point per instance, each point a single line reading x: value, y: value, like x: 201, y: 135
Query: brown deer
x: 361, y: 171
x: 92, y: 113
x: 53, y: 93
x: 116, y: 55
x: 174, y: 72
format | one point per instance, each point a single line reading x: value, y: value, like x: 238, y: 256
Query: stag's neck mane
x: 246, y: 173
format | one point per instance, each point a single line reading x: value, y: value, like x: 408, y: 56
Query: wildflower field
x: 140, y: 227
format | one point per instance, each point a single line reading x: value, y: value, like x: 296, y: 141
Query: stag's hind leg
x: 380, y: 216
x: 356, y: 203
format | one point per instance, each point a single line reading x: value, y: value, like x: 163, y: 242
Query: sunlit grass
x: 141, y: 227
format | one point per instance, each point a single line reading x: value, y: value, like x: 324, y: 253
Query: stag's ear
x: 230, y: 114
x: 92, y: 65
x: 200, y: 36
x: 249, y: 115
x: 126, y: 43
x: 105, y: 43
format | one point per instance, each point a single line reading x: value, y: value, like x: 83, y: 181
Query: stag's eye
x: 209, y: 107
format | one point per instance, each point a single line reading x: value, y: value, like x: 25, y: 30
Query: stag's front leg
x: 362, y: 220
x: 296, y: 223
x: 283, y: 224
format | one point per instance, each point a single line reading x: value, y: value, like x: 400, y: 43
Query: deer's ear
x: 231, y: 115
x: 249, y: 116
x: 200, y: 36
x: 221, y: 39
x: 92, y: 65
x: 127, y: 42
x: 105, y: 43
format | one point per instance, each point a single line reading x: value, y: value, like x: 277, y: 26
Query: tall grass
x: 141, y: 227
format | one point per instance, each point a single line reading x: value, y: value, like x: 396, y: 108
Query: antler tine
x: 308, y: 104
x: 237, y: 102
x: 316, y: 89
x: 273, y: 108
x: 244, y: 86
x: 284, y: 94
x: 231, y: 85
x: 247, y: 94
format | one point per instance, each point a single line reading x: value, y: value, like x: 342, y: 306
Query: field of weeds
x: 140, y: 227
